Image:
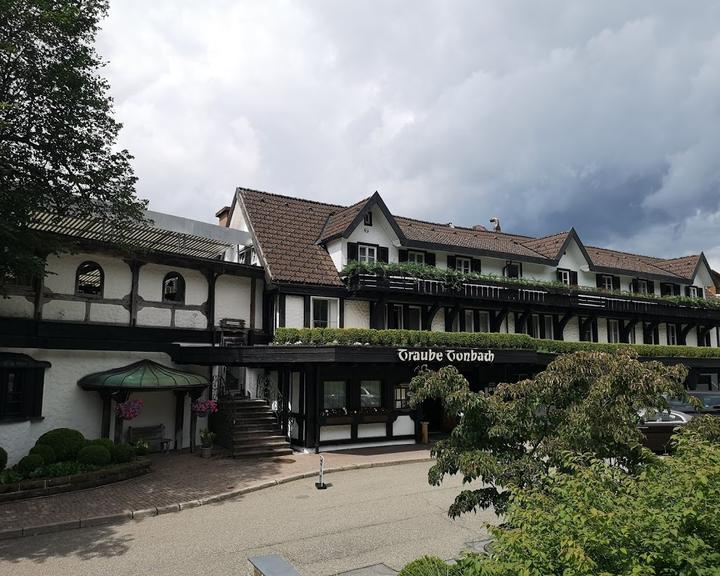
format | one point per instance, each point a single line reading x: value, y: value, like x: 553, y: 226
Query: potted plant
x: 206, y: 439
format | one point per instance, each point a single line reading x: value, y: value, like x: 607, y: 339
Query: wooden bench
x: 272, y: 565
x: 153, y: 435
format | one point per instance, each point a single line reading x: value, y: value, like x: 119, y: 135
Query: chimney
x: 478, y: 227
x: 495, y: 221
x: 223, y: 216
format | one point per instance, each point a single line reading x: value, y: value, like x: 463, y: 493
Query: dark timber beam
x: 429, y: 315
x: 450, y: 314
x: 625, y: 328
x: 253, y: 299
x: 377, y: 314
x: 559, y: 323
x: 585, y: 324
x: 683, y: 332
x: 497, y: 318
x: 521, y: 319
x: 211, y: 280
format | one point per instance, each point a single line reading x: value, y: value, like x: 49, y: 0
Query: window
x: 650, y: 334
x: 642, y: 286
x: 588, y: 332
x: 367, y: 253
x: 334, y: 394
x: 631, y: 335
x: 89, y: 280
x: 370, y: 393
x: 703, y: 338
x: 396, y: 317
x: 613, y: 335
x: 483, y: 322
x: 533, y: 326
x: 463, y: 265
x: 672, y: 335
x: 693, y: 292
x: 11, y: 395
x: 416, y: 257
x: 174, y: 288
x: 549, y: 328
x: 401, y: 396
x: 367, y: 220
x: 21, y: 391
x: 606, y: 282
x: 707, y: 382
x: 324, y: 312
x: 469, y: 321
x: 564, y: 276
x: 512, y: 270
x: 414, y: 318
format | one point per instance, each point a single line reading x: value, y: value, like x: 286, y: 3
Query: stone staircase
x: 253, y: 429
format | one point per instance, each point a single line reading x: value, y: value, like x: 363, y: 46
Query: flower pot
x: 206, y: 451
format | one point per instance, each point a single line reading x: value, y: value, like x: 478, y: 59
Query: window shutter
x: 666, y: 289
x: 430, y: 258
x: 687, y: 290
x: 701, y: 292
x: 599, y: 280
x: 594, y: 331
x: 402, y: 255
x: 352, y: 251
x: 573, y: 278
x: 383, y: 254
x: 616, y: 282
x: 558, y: 275
x: 676, y: 289
x: 475, y: 266
x: 651, y: 287
x: 633, y: 285
x: 451, y: 262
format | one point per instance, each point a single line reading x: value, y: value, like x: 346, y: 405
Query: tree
x: 596, y: 520
x: 583, y: 403
x: 57, y: 132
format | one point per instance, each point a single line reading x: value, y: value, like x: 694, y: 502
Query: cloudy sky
x: 600, y: 115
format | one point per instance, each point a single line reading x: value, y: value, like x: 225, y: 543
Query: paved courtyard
x: 186, y: 477
x: 384, y: 515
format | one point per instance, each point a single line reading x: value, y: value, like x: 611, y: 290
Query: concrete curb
x: 139, y: 515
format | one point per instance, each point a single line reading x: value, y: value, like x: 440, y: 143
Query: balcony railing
x: 518, y: 294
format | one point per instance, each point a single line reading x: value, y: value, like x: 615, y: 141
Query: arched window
x: 89, y: 280
x: 174, y: 288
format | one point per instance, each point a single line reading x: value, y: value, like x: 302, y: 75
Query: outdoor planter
x: 336, y: 420
x: 206, y: 451
x: 375, y: 418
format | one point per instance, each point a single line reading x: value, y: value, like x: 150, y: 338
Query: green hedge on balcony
x: 456, y: 279
x: 495, y: 340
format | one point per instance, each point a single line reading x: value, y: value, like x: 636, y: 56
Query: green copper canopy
x: 145, y: 375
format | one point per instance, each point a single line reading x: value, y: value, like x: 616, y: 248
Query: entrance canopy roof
x: 143, y: 376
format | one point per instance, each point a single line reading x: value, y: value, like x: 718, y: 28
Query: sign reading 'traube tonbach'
x: 447, y: 355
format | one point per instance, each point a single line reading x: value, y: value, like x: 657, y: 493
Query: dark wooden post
x: 105, y: 423
x: 211, y: 279
x: 179, y: 417
x: 118, y: 435
x: 134, y: 297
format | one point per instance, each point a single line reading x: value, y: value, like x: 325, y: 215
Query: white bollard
x: 321, y: 484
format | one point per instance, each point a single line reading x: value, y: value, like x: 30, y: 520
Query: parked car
x: 710, y: 403
x: 658, y: 427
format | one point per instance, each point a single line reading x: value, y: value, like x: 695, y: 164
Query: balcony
x: 521, y: 296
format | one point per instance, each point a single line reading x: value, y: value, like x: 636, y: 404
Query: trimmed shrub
x: 104, y: 442
x: 46, y: 451
x: 30, y: 463
x: 427, y: 566
x: 3, y: 459
x: 94, y: 455
x: 64, y: 441
x: 122, y: 453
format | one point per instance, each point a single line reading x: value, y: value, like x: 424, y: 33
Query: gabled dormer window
x: 367, y: 220
x: 463, y: 265
x: 567, y: 277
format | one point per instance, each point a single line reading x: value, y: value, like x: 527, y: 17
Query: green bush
x: 60, y: 469
x: 428, y: 566
x: 30, y: 463
x: 94, y: 455
x: 10, y: 477
x: 704, y: 427
x: 3, y: 459
x: 595, y: 519
x: 495, y: 340
x: 122, y: 453
x: 105, y: 442
x: 64, y: 441
x: 46, y: 451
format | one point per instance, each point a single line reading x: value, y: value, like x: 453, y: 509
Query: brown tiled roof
x: 683, y: 267
x: 338, y: 222
x: 286, y: 230
x: 624, y: 261
x: 485, y: 240
x: 548, y: 246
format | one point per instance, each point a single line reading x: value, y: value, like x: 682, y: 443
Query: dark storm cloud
x: 603, y: 116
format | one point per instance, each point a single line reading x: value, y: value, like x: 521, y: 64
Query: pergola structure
x: 146, y: 376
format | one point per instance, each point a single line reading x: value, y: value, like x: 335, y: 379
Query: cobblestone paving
x: 183, y: 477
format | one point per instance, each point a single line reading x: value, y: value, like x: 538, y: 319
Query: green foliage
x: 141, y: 447
x: 428, y: 566
x: 596, y: 520
x: 122, y: 453
x: 10, y: 477
x: 702, y: 428
x: 583, y: 403
x: 29, y: 463
x: 3, y: 459
x: 454, y: 280
x: 61, y: 469
x: 106, y: 442
x: 94, y: 455
x: 496, y: 340
x: 47, y: 453
x: 65, y: 442
x: 57, y: 133
x: 207, y: 437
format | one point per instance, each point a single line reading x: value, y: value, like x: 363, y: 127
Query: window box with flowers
x: 335, y: 417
